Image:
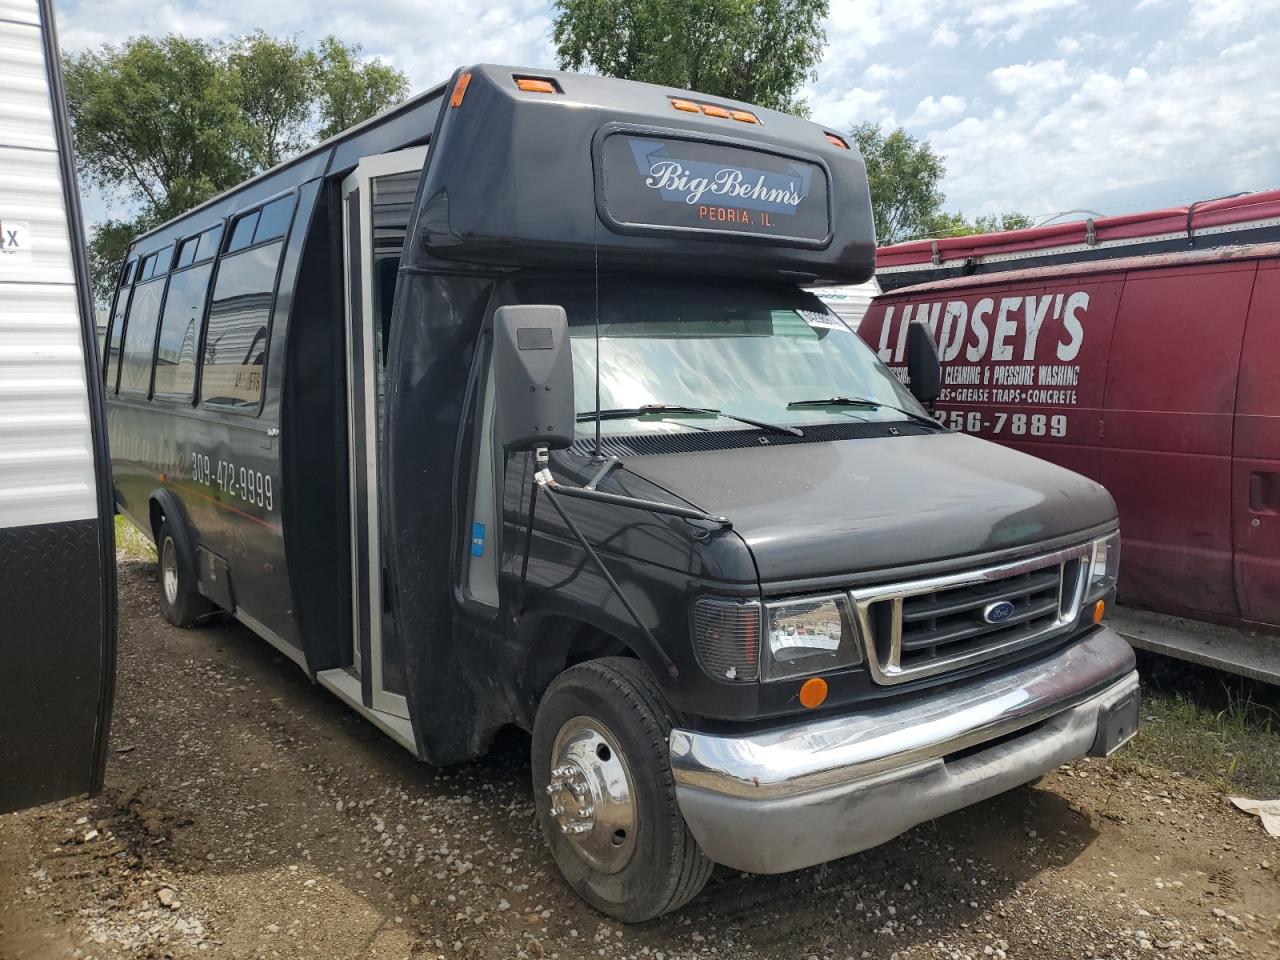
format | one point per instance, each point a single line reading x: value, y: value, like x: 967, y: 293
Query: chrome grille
x: 924, y: 627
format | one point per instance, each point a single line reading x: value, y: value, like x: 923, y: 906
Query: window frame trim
x: 155, y: 338
x: 177, y: 400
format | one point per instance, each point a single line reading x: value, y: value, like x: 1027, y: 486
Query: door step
x: 1244, y: 652
x: 347, y: 686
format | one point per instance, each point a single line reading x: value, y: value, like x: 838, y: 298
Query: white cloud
x: 944, y: 35
x: 1217, y: 16
x: 1010, y: 20
x: 931, y: 110
x: 1033, y: 79
x: 427, y: 41
x: 1213, y: 118
x: 882, y: 73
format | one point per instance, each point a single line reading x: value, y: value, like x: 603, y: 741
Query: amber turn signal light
x: 534, y: 85
x: 813, y: 692
x: 459, y: 90
x: 1099, y: 611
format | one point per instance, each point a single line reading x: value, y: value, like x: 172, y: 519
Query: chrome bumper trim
x: 809, y: 792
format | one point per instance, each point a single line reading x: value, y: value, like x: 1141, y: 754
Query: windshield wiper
x: 869, y: 404
x: 624, y: 413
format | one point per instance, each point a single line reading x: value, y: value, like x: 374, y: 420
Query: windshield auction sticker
x: 660, y: 185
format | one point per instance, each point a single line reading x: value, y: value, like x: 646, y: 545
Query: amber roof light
x: 536, y: 85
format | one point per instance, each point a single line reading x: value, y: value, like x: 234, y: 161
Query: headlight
x: 1103, y: 567
x: 808, y: 636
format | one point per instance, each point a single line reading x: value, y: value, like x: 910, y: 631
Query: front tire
x: 181, y: 606
x: 605, y: 795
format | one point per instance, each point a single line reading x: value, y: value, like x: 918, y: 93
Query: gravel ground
x: 249, y: 814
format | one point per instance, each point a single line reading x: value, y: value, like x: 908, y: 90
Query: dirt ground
x: 249, y: 814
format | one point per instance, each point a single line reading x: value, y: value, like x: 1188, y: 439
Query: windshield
x: 744, y: 350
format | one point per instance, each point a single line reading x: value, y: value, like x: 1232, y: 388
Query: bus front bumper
x: 797, y: 795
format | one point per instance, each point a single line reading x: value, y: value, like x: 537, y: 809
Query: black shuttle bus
x: 509, y: 407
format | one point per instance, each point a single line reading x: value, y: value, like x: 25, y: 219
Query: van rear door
x: 1255, y: 504
x: 1166, y: 449
x: 57, y: 555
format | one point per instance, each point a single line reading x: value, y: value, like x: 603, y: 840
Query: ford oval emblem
x: 997, y: 612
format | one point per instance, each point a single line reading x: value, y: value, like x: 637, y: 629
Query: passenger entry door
x: 377, y: 200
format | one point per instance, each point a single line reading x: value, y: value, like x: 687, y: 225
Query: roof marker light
x: 713, y: 111
x: 535, y: 85
x: 688, y: 106
x: 459, y: 90
x: 743, y: 116
x: 837, y: 141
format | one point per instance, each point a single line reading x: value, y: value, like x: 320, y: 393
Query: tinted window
x: 148, y: 267
x: 113, y: 340
x: 236, y: 340
x: 242, y: 232
x: 126, y: 275
x: 140, y: 338
x: 164, y: 259
x: 273, y: 220
x: 180, y: 332
x: 186, y: 253
x: 209, y: 241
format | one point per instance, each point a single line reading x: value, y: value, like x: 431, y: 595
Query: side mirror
x: 533, y: 377
x: 922, y: 364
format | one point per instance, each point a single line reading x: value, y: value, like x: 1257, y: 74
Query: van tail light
x: 460, y: 90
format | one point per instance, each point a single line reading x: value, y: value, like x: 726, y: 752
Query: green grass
x: 1219, y: 728
x: 130, y: 543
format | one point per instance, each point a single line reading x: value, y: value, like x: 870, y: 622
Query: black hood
x: 822, y: 509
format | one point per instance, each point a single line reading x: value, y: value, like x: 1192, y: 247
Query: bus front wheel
x: 605, y: 795
x: 181, y: 605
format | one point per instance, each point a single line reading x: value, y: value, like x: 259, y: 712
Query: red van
x: 1157, y: 375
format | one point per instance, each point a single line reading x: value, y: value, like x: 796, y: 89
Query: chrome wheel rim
x: 169, y: 571
x: 592, y: 794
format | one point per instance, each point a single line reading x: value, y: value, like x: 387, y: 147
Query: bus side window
x: 235, y: 346
x: 180, y: 326
x: 140, y: 338
x: 115, y: 334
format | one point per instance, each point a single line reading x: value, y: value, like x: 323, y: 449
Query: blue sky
x: 1038, y: 105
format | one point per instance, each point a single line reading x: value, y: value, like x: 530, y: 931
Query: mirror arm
x: 549, y: 487
x: 548, y: 483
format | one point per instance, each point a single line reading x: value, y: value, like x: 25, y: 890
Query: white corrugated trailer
x: 57, y: 563
x: 851, y: 302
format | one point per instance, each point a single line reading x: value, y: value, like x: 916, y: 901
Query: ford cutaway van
x: 510, y: 408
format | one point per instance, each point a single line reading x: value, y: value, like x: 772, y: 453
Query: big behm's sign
x: 653, y: 184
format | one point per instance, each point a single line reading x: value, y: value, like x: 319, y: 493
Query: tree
x: 274, y: 83
x: 107, y: 246
x: 955, y: 225
x: 904, y: 176
x: 349, y: 91
x: 166, y: 123
x: 758, y: 51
